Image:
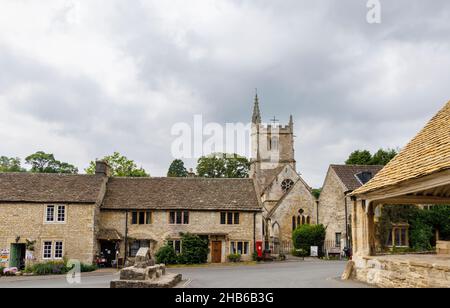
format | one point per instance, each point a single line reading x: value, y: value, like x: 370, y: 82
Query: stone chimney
x: 102, y: 168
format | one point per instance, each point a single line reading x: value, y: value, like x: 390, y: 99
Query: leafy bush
x: 194, y: 249
x: 234, y: 257
x: 49, y: 268
x: 85, y: 268
x: 166, y: 255
x: 1, y: 270
x: 306, y: 236
x: 301, y: 253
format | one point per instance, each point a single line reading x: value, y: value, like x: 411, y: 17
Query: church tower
x: 272, y: 147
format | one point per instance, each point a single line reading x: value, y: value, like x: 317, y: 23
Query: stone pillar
x: 363, y: 228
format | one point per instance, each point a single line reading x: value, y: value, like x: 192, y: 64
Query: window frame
x: 44, y: 246
x: 55, y: 213
x: 179, y: 217
x: 147, y: 218
x: 55, y: 250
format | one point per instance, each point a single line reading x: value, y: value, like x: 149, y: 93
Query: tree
x: 383, y: 157
x: 42, y: 162
x: 10, y: 164
x: 177, y: 169
x: 194, y: 249
x: 359, y: 158
x: 121, y: 166
x: 220, y: 165
x: 316, y: 192
x: 364, y: 157
x: 306, y: 236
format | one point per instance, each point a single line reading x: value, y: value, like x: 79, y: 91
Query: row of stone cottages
x: 50, y: 216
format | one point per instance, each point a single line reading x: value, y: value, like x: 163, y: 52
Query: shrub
x: 49, y: 268
x: 194, y: 249
x: 301, y: 253
x: 85, y: 268
x: 306, y: 236
x: 1, y: 270
x: 166, y: 255
x: 234, y: 257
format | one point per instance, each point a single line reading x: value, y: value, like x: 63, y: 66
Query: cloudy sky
x: 82, y: 79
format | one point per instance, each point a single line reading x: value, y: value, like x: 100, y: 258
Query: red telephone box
x: 259, y: 248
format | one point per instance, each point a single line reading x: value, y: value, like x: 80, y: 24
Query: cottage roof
x: 348, y: 174
x: 181, y: 193
x: 50, y: 188
x: 426, y: 154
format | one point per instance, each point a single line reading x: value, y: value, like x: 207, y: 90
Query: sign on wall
x: 314, y: 251
x: 4, y: 257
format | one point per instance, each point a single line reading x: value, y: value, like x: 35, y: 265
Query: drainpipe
x: 254, y: 232
x: 317, y: 211
x: 347, y: 242
x: 126, y: 238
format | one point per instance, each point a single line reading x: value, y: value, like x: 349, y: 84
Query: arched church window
x: 294, y: 225
x: 303, y: 220
x: 308, y: 220
x: 299, y: 222
x: 287, y: 184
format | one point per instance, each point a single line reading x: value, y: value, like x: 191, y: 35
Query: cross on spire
x: 274, y: 120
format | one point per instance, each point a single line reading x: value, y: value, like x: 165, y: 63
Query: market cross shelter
x: 49, y: 217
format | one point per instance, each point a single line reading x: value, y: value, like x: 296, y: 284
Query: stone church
x: 287, y: 200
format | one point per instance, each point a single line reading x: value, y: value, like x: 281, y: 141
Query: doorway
x: 216, y: 252
x: 108, y: 251
x: 17, y: 256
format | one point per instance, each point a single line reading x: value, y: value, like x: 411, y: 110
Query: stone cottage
x: 335, y: 205
x: 46, y: 217
x: 49, y: 217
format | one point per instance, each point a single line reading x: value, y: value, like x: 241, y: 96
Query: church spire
x: 256, y: 119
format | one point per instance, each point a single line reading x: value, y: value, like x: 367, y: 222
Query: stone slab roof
x: 181, y: 193
x: 49, y: 188
x: 347, y: 174
x: 426, y: 154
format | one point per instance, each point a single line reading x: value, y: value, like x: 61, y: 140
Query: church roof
x: 50, y: 188
x: 426, y: 154
x: 348, y: 174
x: 181, y: 193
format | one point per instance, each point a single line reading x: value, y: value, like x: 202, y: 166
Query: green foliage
x: 220, y: 165
x: 48, y: 268
x: 1, y: 270
x: 306, y: 236
x: 383, y: 157
x: 359, y: 158
x: 86, y: 268
x: 194, y: 249
x: 10, y: 164
x: 120, y: 165
x: 364, y: 157
x: 234, y: 257
x: 166, y: 255
x: 316, y: 192
x: 423, y: 224
x: 42, y: 162
x: 301, y: 253
x: 177, y: 169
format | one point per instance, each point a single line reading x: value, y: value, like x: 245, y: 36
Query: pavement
x: 291, y: 274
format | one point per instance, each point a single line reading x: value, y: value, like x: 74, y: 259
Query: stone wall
x: 402, y: 273
x: 26, y: 222
x: 200, y: 222
x: 332, y: 207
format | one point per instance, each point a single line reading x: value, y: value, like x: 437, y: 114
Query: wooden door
x: 216, y: 252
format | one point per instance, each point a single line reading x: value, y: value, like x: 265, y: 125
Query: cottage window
x: 47, y: 250
x: 179, y: 217
x: 50, y: 213
x: 229, y: 218
x: 58, y: 250
x: 338, y: 238
x: 61, y: 213
x: 136, y: 245
x: 141, y: 218
x: 239, y: 247
x: 176, y: 244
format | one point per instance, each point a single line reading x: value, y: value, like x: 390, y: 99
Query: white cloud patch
x: 82, y: 79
